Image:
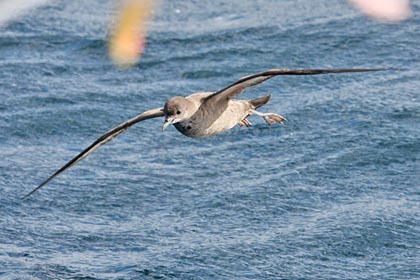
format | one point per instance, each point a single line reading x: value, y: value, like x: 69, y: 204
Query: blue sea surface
x: 332, y: 194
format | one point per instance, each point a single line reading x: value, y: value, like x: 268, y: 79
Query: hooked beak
x: 167, y: 123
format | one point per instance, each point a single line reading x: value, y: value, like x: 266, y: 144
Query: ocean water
x: 332, y: 194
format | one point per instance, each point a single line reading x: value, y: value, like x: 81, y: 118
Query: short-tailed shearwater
x: 206, y: 113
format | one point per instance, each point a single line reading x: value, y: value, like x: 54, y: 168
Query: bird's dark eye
x: 178, y: 112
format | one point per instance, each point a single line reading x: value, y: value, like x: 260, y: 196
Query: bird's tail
x: 256, y: 103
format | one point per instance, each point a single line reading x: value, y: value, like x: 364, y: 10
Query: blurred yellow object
x: 129, y: 34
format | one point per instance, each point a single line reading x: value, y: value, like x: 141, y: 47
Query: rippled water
x: 333, y: 194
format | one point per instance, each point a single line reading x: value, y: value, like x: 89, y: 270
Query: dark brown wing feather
x: 108, y: 136
x: 255, y: 79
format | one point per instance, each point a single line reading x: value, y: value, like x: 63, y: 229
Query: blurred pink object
x: 388, y: 10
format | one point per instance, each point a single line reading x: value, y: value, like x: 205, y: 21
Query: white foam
x: 12, y: 9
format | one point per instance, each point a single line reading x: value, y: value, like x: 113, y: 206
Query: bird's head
x: 175, y: 110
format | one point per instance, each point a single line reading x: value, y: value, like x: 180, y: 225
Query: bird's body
x: 234, y: 113
x: 205, y: 114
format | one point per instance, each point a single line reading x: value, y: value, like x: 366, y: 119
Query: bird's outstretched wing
x: 255, y: 79
x: 108, y: 136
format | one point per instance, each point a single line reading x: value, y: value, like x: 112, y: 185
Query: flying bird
x: 205, y: 114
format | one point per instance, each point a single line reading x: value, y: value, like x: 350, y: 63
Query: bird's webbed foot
x: 270, y: 118
x: 245, y: 122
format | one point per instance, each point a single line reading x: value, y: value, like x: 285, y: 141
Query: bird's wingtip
x: 23, y: 198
